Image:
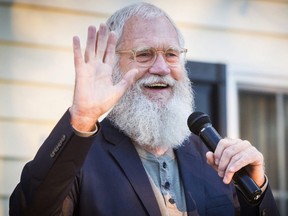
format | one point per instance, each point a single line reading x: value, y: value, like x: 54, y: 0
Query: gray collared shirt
x: 164, y: 177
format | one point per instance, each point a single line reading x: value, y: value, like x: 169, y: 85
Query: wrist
x: 260, y: 179
x: 82, y: 123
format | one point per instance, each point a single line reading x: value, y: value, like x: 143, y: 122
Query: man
x: 141, y: 159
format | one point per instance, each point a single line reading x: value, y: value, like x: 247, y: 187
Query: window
x: 264, y: 122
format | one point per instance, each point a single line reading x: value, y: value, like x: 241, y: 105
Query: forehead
x: 155, y: 32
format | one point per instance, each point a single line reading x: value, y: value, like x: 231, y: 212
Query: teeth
x: 157, y: 85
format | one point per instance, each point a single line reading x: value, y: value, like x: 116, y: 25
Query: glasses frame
x: 134, y: 51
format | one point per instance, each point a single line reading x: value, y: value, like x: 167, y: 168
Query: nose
x: 160, y: 66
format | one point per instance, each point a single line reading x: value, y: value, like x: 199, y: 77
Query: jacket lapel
x: 191, y: 172
x: 127, y: 157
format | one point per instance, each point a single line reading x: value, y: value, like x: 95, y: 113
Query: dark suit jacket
x: 103, y: 175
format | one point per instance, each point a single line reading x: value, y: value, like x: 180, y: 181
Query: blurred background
x: 248, y: 39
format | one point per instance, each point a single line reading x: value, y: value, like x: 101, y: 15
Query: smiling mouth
x: 157, y: 86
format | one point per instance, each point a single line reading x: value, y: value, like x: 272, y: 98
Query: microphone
x: 200, y: 124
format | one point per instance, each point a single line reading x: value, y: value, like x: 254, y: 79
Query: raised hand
x: 233, y: 154
x: 94, y: 92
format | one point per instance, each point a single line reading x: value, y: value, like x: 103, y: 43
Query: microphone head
x: 197, y: 121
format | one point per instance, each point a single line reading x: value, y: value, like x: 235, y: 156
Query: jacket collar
x: 127, y: 157
x: 191, y: 172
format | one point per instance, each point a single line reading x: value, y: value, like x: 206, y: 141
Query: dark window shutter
x: 209, y: 85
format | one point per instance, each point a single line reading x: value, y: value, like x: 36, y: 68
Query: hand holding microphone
x: 227, y: 154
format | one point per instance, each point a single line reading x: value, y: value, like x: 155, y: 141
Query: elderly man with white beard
x: 141, y: 159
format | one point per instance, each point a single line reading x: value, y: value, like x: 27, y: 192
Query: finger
x: 128, y: 79
x: 252, y: 160
x: 249, y: 156
x: 235, y: 164
x: 219, y: 150
x: 123, y: 85
x: 102, y: 38
x: 221, y: 146
x: 210, y: 160
x: 239, y: 161
x: 133, y: 75
x: 78, y: 59
x: 110, y: 51
x: 228, y: 177
x: 90, y: 43
x: 233, y: 150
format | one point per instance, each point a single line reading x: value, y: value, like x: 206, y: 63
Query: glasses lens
x: 172, y: 56
x: 145, y: 56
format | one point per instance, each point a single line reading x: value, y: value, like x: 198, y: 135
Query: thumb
x: 128, y: 79
x: 211, y: 160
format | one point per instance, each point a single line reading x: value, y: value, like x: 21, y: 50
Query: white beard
x: 151, y: 123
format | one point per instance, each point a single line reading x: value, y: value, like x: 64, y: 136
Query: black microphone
x: 200, y: 124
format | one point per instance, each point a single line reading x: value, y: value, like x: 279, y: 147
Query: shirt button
x: 167, y: 185
x: 171, y: 200
x: 164, y: 165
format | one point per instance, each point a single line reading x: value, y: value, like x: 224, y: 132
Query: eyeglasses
x: 146, y: 56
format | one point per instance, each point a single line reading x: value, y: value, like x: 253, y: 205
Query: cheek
x: 177, y: 73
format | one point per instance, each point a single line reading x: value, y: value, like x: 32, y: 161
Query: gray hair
x: 145, y: 10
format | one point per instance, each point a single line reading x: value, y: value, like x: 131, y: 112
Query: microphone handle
x: 243, y: 182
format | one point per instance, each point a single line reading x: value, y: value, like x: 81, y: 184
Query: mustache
x: 168, y: 80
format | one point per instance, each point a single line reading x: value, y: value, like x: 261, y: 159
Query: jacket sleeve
x: 266, y: 206
x: 47, y: 180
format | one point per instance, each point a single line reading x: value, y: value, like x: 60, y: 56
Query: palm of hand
x: 94, y: 92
